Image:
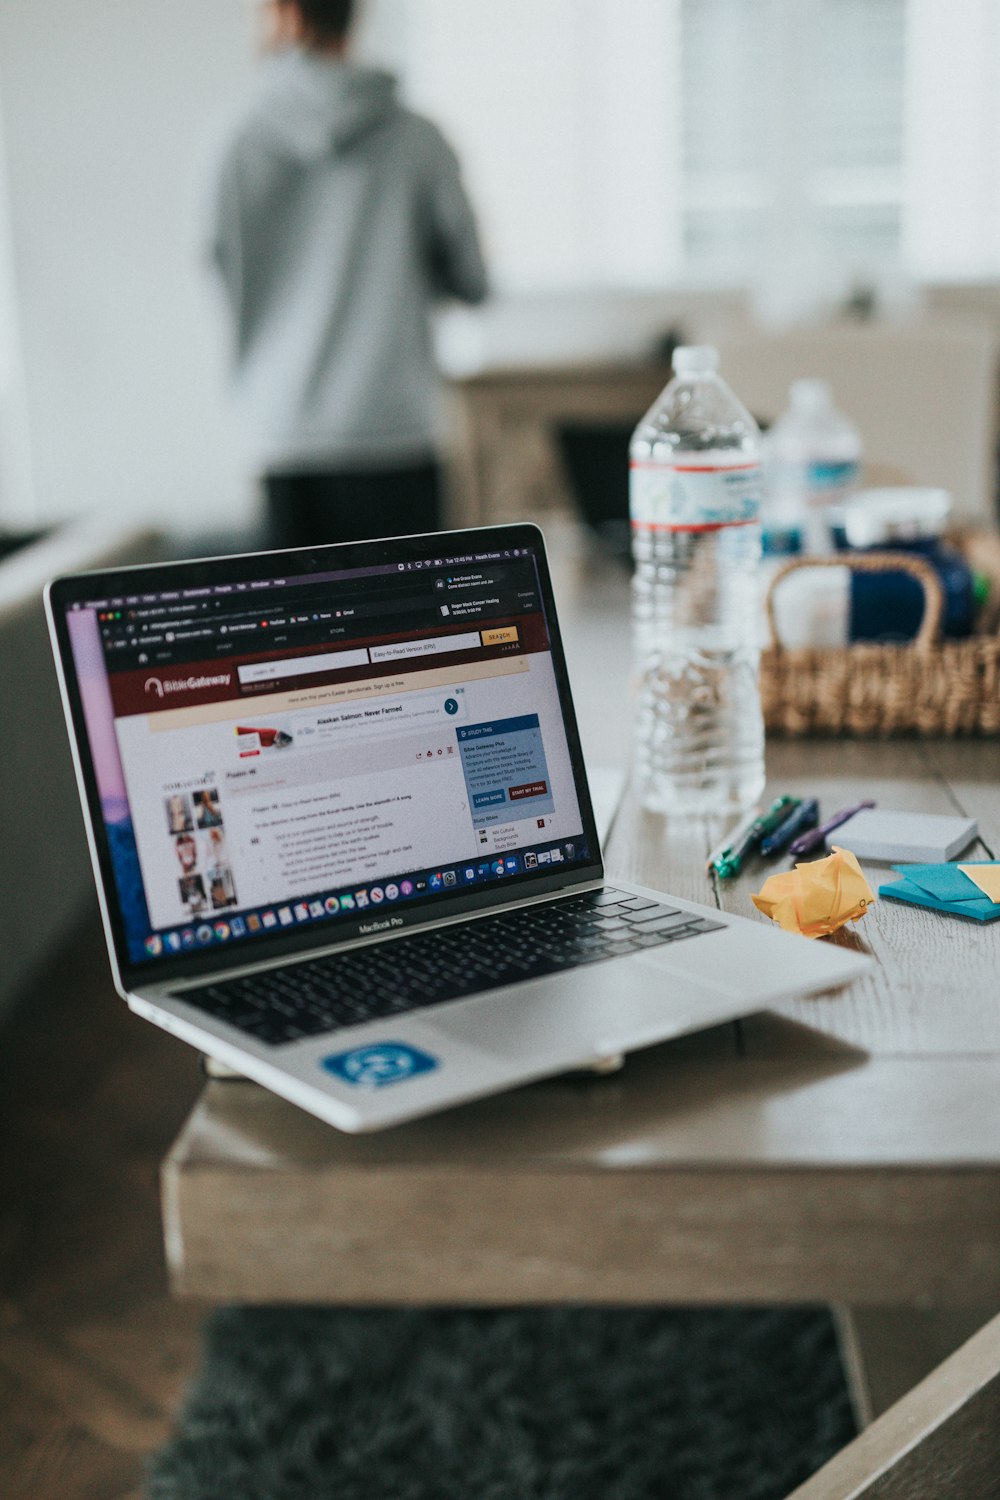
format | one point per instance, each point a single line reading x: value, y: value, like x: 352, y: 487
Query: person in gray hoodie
x: 338, y: 220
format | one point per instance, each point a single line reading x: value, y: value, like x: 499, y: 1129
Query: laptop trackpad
x: 580, y: 1016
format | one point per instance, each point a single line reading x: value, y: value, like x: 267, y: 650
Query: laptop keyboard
x: 325, y: 994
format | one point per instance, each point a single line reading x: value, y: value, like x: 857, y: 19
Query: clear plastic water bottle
x: 812, y: 461
x: 695, y: 500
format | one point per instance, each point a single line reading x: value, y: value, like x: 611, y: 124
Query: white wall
x: 112, y: 348
x: 105, y: 110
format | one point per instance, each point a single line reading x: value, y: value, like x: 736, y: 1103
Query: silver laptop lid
x: 282, y: 751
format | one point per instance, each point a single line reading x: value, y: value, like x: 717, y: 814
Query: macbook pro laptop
x: 342, y: 834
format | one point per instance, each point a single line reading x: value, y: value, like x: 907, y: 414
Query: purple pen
x: 806, y: 842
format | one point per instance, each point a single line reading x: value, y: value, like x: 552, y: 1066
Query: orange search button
x: 500, y: 636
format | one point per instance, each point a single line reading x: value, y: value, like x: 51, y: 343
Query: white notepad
x: 921, y: 838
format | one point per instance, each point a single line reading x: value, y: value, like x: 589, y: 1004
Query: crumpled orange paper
x: 818, y: 898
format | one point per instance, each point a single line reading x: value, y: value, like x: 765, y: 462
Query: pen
x: 739, y: 832
x: 817, y: 836
x: 730, y: 862
x: 806, y: 815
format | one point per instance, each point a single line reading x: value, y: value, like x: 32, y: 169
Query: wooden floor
x: 93, y: 1353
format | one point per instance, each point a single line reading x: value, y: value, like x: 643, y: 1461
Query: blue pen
x: 806, y: 815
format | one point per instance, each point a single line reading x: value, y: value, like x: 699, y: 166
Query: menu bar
x: 229, y: 590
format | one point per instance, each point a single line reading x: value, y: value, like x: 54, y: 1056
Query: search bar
x: 433, y: 646
x: 302, y: 666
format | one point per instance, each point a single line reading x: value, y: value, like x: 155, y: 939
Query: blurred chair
x: 940, y: 1441
x: 506, y: 460
x: 595, y: 459
x: 45, y: 878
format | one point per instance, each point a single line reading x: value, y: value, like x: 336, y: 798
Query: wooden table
x: 842, y: 1149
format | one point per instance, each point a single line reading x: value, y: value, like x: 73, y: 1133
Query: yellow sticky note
x: 987, y: 877
x: 817, y: 898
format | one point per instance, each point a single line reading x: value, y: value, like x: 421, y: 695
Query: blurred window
x: 643, y: 143
x: 793, y: 135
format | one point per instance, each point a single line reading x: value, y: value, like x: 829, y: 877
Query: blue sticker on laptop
x: 375, y: 1066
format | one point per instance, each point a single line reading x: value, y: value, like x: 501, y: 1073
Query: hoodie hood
x: 313, y: 106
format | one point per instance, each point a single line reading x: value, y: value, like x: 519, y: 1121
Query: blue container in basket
x: 889, y: 606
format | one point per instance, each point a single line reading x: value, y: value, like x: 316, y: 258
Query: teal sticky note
x: 980, y: 909
x: 946, y: 882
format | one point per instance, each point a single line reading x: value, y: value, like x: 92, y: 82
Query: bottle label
x: 830, y: 481
x: 694, y: 497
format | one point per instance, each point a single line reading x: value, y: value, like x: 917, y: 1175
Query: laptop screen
x: 334, y: 741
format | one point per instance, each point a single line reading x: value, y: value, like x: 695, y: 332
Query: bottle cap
x: 695, y: 359
x: 810, y: 395
x: 875, y: 518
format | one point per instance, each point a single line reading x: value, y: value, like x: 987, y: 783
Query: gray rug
x: 537, y: 1404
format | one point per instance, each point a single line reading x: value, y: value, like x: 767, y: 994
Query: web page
x: 298, y: 782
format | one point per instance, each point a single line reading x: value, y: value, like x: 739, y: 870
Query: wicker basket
x: 926, y: 687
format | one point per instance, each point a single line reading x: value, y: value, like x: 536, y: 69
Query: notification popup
x: 505, y: 771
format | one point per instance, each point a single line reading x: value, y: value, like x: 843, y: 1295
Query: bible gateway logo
x: 162, y: 687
